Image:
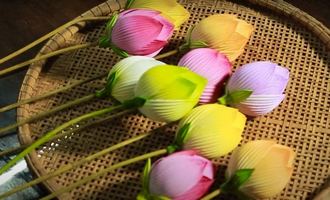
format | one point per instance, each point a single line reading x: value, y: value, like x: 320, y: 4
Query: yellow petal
x: 225, y: 33
x: 214, y: 30
x: 170, y: 9
x: 154, y: 4
x: 214, y: 130
x: 177, y: 15
x: 271, y: 174
x: 244, y: 28
x: 248, y: 155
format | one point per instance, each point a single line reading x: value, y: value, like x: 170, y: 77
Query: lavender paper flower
x: 256, y: 88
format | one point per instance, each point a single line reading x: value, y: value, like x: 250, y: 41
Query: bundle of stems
x: 52, y: 134
x: 85, y: 160
x: 45, y: 37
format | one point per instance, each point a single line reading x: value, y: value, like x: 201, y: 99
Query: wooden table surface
x: 23, y: 21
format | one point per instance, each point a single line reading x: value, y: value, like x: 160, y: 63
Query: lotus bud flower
x: 272, y: 164
x: 141, y: 32
x: 212, y: 130
x: 264, y: 82
x: 170, y: 9
x: 212, y: 65
x: 170, y: 92
x: 223, y: 32
x: 180, y: 176
x: 124, y: 76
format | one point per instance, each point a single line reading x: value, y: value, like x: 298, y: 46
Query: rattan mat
x: 302, y: 120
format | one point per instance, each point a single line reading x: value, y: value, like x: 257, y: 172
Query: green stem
x: 76, y: 164
x: 18, y: 149
x: 48, y: 136
x: 103, y: 172
x: 51, y: 93
x: 212, y: 195
x: 4, y: 130
x: 42, y: 57
x: 50, y: 34
x: 167, y: 54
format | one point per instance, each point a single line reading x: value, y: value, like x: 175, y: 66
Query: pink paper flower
x: 141, y: 32
x: 212, y: 65
x: 181, y: 176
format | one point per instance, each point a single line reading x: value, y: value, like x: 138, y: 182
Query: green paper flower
x: 170, y: 92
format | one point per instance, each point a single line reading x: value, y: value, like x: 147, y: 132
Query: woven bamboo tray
x: 302, y: 121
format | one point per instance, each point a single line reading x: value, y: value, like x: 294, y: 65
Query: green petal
x: 170, y: 82
x: 167, y: 110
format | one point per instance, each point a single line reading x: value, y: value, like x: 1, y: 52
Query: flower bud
x: 181, y: 176
x: 170, y: 9
x: 212, y: 65
x: 223, y: 32
x: 267, y: 82
x: 170, y: 92
x: 141, y: 32
x: 272, y: 164
x: 213, y: 130
x: 126, y: 74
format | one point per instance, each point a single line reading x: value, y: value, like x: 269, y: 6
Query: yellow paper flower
x: 272, y: 164
x: 223, y: 32
x: 170, y: 9
x: 214, y: 130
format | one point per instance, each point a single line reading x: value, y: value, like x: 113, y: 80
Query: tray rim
x: 57, y: 41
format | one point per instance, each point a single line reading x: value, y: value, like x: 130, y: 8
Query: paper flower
x: 212, y: 130
x: 181, y: 176
x: 223, y: 32
x: 210, y: 64
x: 170, y: 9
x: 141, y: 32
x: 272, y: 164
x: 265, y: 80
x: 170, y: 92
x: 125, y: 74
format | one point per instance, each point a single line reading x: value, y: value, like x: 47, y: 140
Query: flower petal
x: 271, y: 174
x: 225, y: 33
x: 261, y: 77
x: 141, y: 32
x: 214, y: 130
x: 167, y: 110
x: 177, y: 15
x: 248, y: 155
x: 210, y: 64
x: 256, y: 105
x: 201, y: 187
x: 170, y: 82
x: 129, y: 71
x: 170, y: 9
x: 176, y: 174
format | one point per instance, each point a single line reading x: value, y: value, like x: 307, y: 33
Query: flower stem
x: 104, y: 171
x: 48, y: 136
x: 50, y: 34
x: 51, y: 93
x: 74, y: 165
x: 167, y: 54
x: 212, y: 195
x: 4, y: 130
x: 42, y: 57
x: 18, y: 149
